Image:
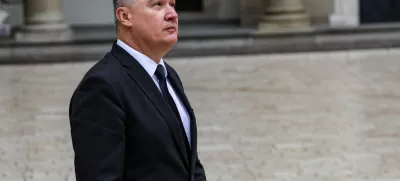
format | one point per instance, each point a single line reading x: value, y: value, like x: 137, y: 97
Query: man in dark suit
x: 130, y: 118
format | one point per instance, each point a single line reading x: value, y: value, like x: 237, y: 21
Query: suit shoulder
x: 107, y: 71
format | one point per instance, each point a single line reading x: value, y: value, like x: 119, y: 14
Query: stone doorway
x: 189, y: 5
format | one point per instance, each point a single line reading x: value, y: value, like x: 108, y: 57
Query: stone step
x: 92, y: 43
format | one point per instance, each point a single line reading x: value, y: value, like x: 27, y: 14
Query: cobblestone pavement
x: 305, y: 117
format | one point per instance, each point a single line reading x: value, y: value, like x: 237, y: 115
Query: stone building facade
x: 59, y: 15
x: 96, y: 12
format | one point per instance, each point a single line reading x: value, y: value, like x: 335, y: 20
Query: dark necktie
x: 162, y: 81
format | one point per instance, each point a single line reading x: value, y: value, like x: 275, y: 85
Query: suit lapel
x: 146, y: 83
x: 174, y: 80
x: 172, y: 77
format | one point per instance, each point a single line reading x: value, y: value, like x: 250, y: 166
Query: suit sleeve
x: 97, y: 131
x: 199, y: 173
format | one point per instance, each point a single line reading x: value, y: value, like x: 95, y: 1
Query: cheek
x: 151, y: 24
x: 156, y: 25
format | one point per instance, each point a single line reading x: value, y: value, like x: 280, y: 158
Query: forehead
x: 146, y: 1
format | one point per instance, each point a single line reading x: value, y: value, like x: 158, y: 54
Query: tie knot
x: 160, y: 73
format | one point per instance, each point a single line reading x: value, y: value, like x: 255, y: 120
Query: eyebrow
x: 174, y: 1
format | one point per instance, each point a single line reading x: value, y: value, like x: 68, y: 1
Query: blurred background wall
x: 249, y: 12
x: 97, y: 12
x: 318, y: 10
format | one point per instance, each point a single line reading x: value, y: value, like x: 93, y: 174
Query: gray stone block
x: 63, y: 35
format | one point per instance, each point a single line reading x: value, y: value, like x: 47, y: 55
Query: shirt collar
x: 147, y: 63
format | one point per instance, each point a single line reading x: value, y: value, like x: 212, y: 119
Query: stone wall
x: 15, y: 17
x: 88, y: 12
x: 94, y: 12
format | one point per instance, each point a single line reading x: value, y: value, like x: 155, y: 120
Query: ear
x: 123, y: 16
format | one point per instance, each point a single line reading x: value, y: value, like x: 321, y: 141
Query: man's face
x: 154, y: 21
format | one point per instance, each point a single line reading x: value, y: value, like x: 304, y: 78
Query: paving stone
x: 299, y: 116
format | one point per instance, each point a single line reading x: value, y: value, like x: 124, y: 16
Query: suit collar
x: 146, y: 62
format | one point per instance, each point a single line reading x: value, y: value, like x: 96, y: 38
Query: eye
x: 158, y: 3
x: 173, y: 5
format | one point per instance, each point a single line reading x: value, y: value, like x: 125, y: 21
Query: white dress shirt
x: 150, y: 66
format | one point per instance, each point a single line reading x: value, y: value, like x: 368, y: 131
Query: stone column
x: 345, y: 13
x: 44, y: 21
x: 250, y: 13
x: 281, y: 15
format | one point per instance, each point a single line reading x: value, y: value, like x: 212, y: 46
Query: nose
x: 171, y: 14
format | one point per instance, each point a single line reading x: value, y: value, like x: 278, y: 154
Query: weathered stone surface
x: 281, y: 15
x: 306, y: 117
x: 44, y: 22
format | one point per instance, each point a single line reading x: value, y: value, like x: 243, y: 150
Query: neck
x: 141, y: 47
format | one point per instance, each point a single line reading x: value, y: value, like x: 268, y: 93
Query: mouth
x: 172, y: 28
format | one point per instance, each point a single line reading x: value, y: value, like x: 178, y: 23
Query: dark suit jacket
x: 123, y: 130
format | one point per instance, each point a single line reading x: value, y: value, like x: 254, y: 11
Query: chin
x: 171, y: 39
